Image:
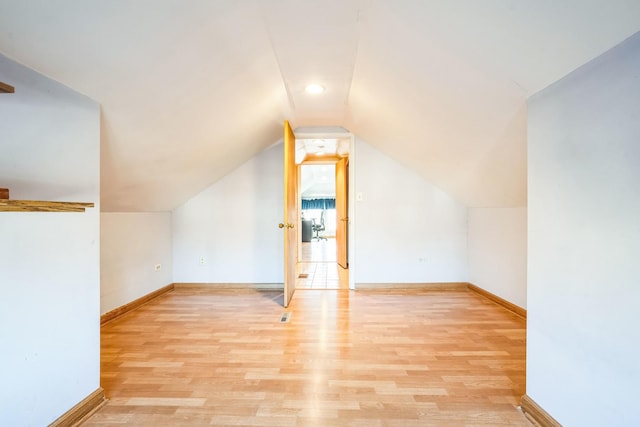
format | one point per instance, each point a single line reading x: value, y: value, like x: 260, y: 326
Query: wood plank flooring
x: 396, y: 358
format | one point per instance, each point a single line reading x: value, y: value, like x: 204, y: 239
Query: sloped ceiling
x: 190, y: 89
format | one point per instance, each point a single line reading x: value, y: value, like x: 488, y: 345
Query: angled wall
x: 584, y: 240
x: 229, y: 233
x: 132, y: 244
x: 407, y: 230
x: 49, y: 262
x: 498, y: 252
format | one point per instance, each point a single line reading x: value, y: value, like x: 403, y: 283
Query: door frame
x: 351, y: 205
x: 342, y: 211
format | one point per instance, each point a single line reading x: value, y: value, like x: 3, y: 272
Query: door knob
x: 281, y: 225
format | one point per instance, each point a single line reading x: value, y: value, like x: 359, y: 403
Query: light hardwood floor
x: 396, y: 358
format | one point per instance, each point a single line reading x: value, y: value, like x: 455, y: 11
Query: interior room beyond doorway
x: 318, y: 213
x: 318, y: 208
x: 317, y: 266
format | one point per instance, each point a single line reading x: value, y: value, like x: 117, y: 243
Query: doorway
x: 318, y: 266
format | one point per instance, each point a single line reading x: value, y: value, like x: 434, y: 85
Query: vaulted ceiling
x: 191, y: 89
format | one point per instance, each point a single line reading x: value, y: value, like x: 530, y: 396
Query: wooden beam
x: 321, y: 160
x: 42, y: 206
x: 5, y: 88
x: 10, y: 208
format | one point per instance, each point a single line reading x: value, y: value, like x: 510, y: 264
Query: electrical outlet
x: 158, y: 267
x: 201, y: 260
x: 422, y: 260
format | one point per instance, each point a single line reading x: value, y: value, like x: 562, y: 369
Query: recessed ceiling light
x: 314, y: 89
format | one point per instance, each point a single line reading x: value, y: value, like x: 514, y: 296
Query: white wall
x: 401, y: 220
x: 407, y: 230
x: 131, y: 245
x: 233, y: 224
x: 583, y: 339
x: 498, y: 252
x: 49, y: 262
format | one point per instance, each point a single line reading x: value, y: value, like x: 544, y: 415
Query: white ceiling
x: 190, y: 89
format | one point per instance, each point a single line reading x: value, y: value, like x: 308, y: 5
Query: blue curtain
x: 318, y: 203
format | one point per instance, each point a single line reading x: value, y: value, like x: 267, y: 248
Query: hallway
x: 319, y: 250
x: 318, y: 268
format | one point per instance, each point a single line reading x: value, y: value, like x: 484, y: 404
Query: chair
x: 317, y: 228
x: 307, y: 230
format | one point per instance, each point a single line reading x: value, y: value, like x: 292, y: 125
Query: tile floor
x: 319, y: 269
x: 321, y: 275
x: 319, y: 250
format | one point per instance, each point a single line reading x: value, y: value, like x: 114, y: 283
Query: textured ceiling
x: 192, y: 89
